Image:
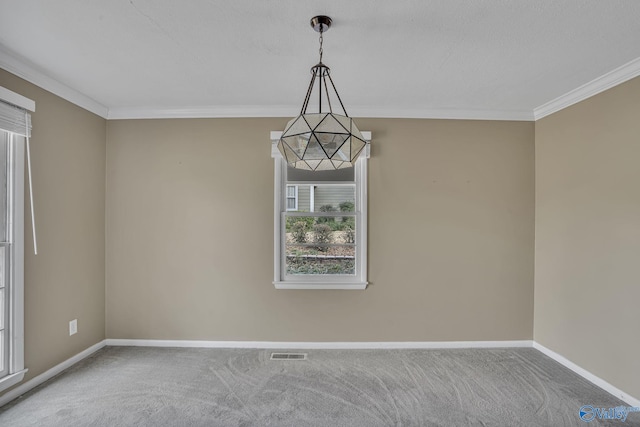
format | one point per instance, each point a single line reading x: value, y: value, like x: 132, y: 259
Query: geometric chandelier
x: 322, y: 140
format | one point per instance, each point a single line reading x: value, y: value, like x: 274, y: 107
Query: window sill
x: 322, y: 285
x: 11, y: 380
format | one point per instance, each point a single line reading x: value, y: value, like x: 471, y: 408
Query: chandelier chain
x: 321, y: 40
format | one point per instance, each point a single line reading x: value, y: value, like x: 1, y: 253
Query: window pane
x: 307, y: 264
x: 3, y: 185
x: 334, y: 198
x: 2, y: 352
x: 291, y: 204
x: 3, y: 273
x: 320, y: 245
x: 346, y: 174
x: 325, y: 198
x: 3, y: 310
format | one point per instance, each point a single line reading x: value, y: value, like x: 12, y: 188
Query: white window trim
x: 16, y: 267
x: 16, y: 99
x: 357, y: 282
x: 295, y: 197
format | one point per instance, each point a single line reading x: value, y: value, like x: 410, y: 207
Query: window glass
x: 3, y: 185
x: 320, y: 245
x: 346, y: 175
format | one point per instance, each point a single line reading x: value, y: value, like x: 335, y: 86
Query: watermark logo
x: 589, y: 413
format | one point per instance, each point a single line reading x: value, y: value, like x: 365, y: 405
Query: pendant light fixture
x: 321, y: 140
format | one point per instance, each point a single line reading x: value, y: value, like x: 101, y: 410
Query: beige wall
x: 587, y: 281
x: 65, y: 280
x: 190, y: 235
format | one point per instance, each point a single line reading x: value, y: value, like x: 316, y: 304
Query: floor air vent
x: 288, y: 356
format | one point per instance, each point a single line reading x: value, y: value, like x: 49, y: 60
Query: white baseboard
x: 36, y: 381
x: 632, y: 401
x: 319, y: 345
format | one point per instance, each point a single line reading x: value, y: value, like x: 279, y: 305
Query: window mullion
x: 320, y: 214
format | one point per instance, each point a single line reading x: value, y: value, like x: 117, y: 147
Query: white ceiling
x: 402, y: 58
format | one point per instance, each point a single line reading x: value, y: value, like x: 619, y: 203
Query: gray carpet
x: 129, y: 386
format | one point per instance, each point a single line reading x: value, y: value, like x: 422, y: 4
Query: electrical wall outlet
x: 73, y: 327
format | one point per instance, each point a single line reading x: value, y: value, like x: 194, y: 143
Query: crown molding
x: 238, y: 111
x: 126, y: 113
x: 18, y: 67
x: 440, y: 113
x: 607, y: 81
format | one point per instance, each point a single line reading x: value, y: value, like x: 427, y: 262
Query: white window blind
x: 15, y: 119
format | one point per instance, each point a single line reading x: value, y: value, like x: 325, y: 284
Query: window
x: 320, y: 226
x: 292, y: 197
x: 14, y: 122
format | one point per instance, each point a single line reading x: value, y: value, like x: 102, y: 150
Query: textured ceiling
x: 388, y: 58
